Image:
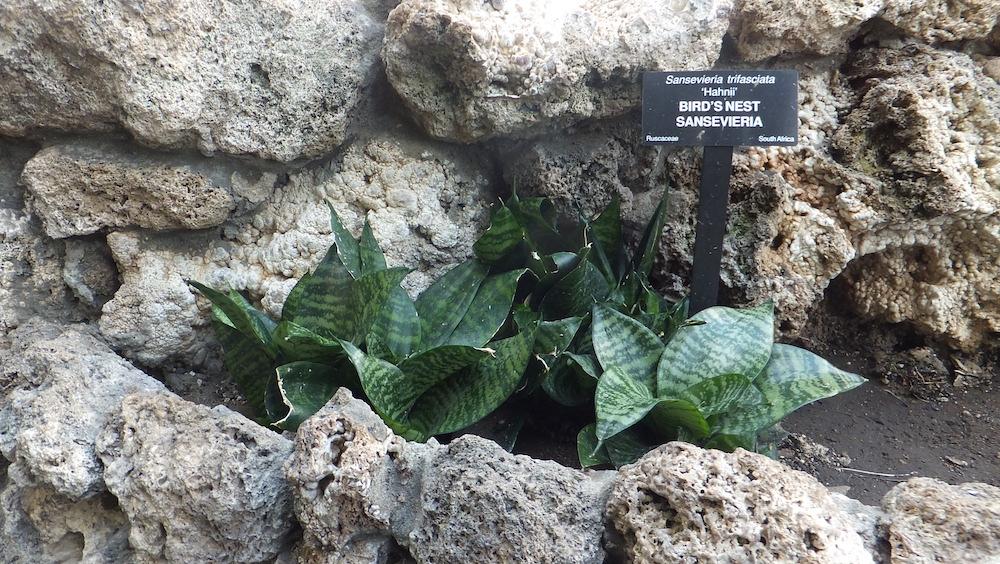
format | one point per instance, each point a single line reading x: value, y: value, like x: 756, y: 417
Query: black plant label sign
x: 720, y: 108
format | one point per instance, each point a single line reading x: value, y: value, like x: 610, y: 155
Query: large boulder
x: 681, y: 503
x: 931, y: 521
x: 60, y: 386
x: 471, y: 70
x: 280, y: 81
x: 426, y: 204
x: 197, y: 484
x: 81, y: 187
x: 358, y: 488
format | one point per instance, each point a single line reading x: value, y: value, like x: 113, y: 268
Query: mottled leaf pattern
x: 605, y: 231
x: 730, y: 341
x: 345, y: 248
x: 624, y: 343
x: 305, y: 387
x: 383, y: 382
x: 469, y: 395
x: 370, y: 254
x: 324, y: 300
x: 648, y: 246
x: 299, y: 343
x: 669, y: 414
x: 502, y: 237
x: 369, y: 297
x: 554, y: 337
x: 396, y: 326
x: 722, y: 393
x: 576, y: 293
x: 247, y: 361
x: 430, y: 367
x: 568, y: 385
x: 236, y: 313
x: 626, y: 447
x: 621, y: 402
x: 792, y: 378
x: 442, y: 306
x: 488, y: 310
x: 588, y: 448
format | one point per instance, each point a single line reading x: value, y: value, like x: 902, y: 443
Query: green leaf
x: 722, y: 393
x: 345, y: 248
x: 384, y: 383
x: 605, y: 231
x: 469, y: 395
x: 729, y: 341
x: 305, y: 387
x: 587, y: 363
x: 554, y: 337
x: 247, y: 361
x: 298, y: 343
x: 237, y: 313
x: 567, y: 385
x: 624, y: 343
x: 537, y: 219
x: 371, y: 294
x: 396, y: 326
x: 648, y: 246
x: 588, y: 449
x: 621, y: 402
x: 488, y: 310
x: 502, y: 237
x: 576, y: 293
x: 626, y: 447
x: 792, y: 378
x: 442, y: 306
x: 430, y: 367
x: 369, y: 252
x: 323, y: 299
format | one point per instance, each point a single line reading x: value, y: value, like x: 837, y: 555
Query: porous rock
x: 37, y: 524
x: 279, y: 81
x: 60, y: 386
x: 931, y: 521
x: 683, y: 503
x: 426, y: 204
x: 763, y: 29
x: 82, y: 187
x: 356, y: 484
x: 941, y: 21
x: 197, y: 484
x: 472, y: 70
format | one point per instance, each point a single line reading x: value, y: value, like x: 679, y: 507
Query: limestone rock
x: 426, y: 204
x: 82, y: 187
x: 38, y: 524
x: 682, y: 503
x: 356, y: 484
x: 940, y: 21
x: 763, y: 29
x: 90, y: 271
x: 471, y: 70
x: 279, y: 81
x: 60, y: 386
x: 927, y: 126
x: 931, y: 521
x: 197, y: 484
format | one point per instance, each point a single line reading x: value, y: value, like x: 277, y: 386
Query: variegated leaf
x: 324, y: 299
x: 605, y: 231
x: 621, y: 401
x: 488, y: 310
x: 426, y: 369
x: 568, y: 385
x: 298, y: 343
x: 442, y: 306
x: 383, y: 382
x: 624, y: 343
x: 729, y: 341
x: 554, y: 337
x: 720, y: 394
x: 369, y: 252
x: 588, y: 448
x: 792, y: 378
x: 247, y: 361
x: 345, y: 248
x: 471, y: 394
x: 576, y: 293
x: 502, y: 237
x: 370, y: 295
x: 648, y: 246
x: 305, y: 387
x: 396, y: 326
x: 233, y: 310
x: 626, y: 447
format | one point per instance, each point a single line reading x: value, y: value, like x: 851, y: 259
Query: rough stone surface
x: 682, y: 503
x: 82, y: 187
x: 426, y: 204
x: 279, y: 81
x: 356, y: 484
x: 60, y: 385
x: 197, y: 484
x: 472, y: 70
x: 931, y: 521
x: 39, y: 525
x: 763, y: 29
x: 940, y: 21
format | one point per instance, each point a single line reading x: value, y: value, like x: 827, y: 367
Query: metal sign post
x: 718, y: 110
